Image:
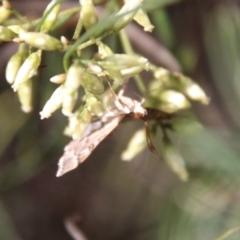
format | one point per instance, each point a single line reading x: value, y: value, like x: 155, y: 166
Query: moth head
x: 128, y: 105
x: 138, y: 109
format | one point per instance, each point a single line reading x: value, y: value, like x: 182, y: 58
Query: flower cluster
x: 169, y: 92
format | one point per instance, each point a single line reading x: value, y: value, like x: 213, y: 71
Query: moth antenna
x: 110, y: 86
x: 123, y: 88
x: 142, y: 100
x: 120, y: 93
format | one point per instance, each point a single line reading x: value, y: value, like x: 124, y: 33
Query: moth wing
x: 79, y: 149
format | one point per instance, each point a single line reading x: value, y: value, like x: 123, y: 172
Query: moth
x: 79, y: 149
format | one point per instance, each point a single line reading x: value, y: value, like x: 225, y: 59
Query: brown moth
x: 79, y: 149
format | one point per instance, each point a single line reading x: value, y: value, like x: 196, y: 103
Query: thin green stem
x: 38, y: 27
x: 79, y: 44
x: 125, y: 42
x: 64, y: 16
x: 78, y: 29
x: 19, y: 15
x: 140, y: 83
x: 128, y: 49
x: 88, y: 43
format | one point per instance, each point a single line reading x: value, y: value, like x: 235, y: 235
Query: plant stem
x: 78, y: 30
x: 128, y: 49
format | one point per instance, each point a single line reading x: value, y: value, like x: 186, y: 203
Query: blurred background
x: 109, y: 199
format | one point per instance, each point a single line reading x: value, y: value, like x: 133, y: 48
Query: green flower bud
x: 155, y: 87
x: 6, y: 34
x: 95, y: 69
x: 69, y: 101
x: 162, y: 74
x: 54, y: 103
x: 121, y: 66
x: 173, y: 101
x: 73, y: 77
x: 77, y: 75
x: 16, y: 28
x: 107, y: 99
x: 136, y: 145
x: 88, y: 14
x: 142, y: 19
x: 64, y: 41
x: 25, y: 96
x: 92, y: 83
x: 103, y: 50
x: 14, y: 65
x: 185, y: 84
x: 28, y: 69
x: 118, y: 62
x: 126, y: 13
x: 65, y: 15
x: 195, y: 92
x: 94, y: 105
x: 51, y: 17
x: 191, y: 89
x: 130, y: 72
x: 174, y: 160
x: 116, y: 76
x: 58, y: 79
x: 78, y: 123
x: 4, y: 14
x: 41, y: 40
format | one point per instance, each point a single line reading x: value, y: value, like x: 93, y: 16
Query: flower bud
x: 92, y: 83
x: 116, y: 76
x: 25, y: 96
x: 88, y: 14
x: 126, y: 14
x: 53, y: 103
x: 162, y: 74
x: 6, y: 34
x: 130, y: 72
x: 185, y: 84
x: 28, y: 69
x: 173, y: 101
x: 51, y: 17
x: 15, y: 28
x: 73, y: 77
x: 94, y: 105
x: 64, y: 41
x: 118, y: 62
x: 121, y: 66
x: 78, y: 123
x: 136, y: 145
x: 77, y: 75
x: 155, y: 87
x: 142, y: 19
x: 58, y: 79
x: 14, y: 65
x: 65, y: 15
x: 69, y: 101
x: 4, y: 14
x: 104, y: 50
x: 174, y: 160
x: 191, y: 89
x: 95, y: 69
x: 41, y: 40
